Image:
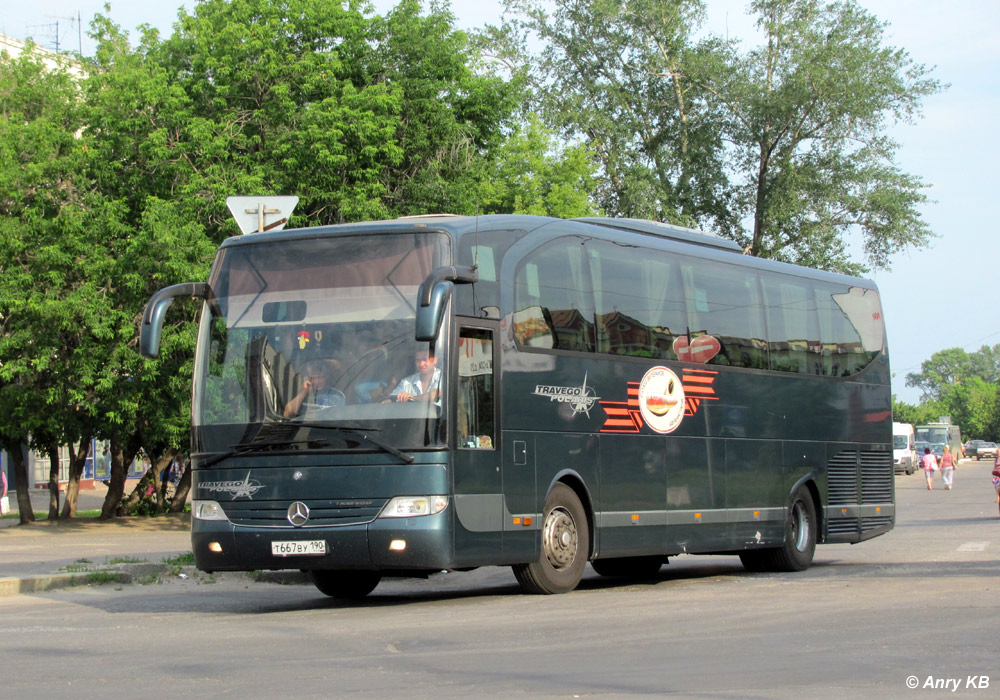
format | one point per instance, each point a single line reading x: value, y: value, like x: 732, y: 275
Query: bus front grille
x: 322, y: 512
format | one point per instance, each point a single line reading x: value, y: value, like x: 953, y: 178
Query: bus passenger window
x: 475, y: 416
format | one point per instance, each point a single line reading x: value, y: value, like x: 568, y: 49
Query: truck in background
x: 944, y: 432
x: 904, y: 448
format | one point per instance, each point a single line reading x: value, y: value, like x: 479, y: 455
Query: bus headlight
x: 207, y: 510
x: 412, y: 506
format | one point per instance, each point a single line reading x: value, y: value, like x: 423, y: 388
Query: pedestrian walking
x: 947, y: 468
x: 930, y: 465
x: 996, y: 477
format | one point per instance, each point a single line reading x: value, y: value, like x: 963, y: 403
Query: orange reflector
x: 844, y: 511
x: 635, y: 516
x: 878, y: 509
x: 517, y: 521
x: 697, y: 516
x: 215, y: 547
x: 756, y: 514
x: 397, y: 545
x: 527, y: 522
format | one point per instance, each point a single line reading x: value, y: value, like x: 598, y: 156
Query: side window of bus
x: 850, y: 326
x: 486, y: 251
x: 639, y: 300
x: 475, y: 419
x: 792, y: 325
x: 553, y: 306
x: 725, y: 319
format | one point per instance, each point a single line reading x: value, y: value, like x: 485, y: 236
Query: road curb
x: 142, y: 573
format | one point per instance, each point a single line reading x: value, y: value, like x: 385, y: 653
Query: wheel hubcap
x: 559, y: 538
x: 800, y: 526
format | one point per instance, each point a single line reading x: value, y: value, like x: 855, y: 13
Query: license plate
x: 299, y: 548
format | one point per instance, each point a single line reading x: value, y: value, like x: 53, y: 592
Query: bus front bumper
x: 421, y: 543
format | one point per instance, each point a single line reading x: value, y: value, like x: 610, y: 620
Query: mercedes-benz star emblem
x: 298, y: 514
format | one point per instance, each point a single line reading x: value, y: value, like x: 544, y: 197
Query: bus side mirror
x: 432, y: 298
x: 156, y: 308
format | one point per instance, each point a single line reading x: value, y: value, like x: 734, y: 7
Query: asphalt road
x: 920, y: 605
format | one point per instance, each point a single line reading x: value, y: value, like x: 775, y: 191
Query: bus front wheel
x: 564, y: 547
x: 796, y: 552
x: 346, y: 584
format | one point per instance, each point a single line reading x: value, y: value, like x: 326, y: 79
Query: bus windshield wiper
x: 244, y: 448
x: 358, y: 432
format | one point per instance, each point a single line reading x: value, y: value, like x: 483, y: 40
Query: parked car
x: 971, y: 448
x: 986, y: 449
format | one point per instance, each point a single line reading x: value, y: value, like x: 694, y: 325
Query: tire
x: 564, y: 548
x: 346, y: 584
x: 629, y: 567
x: 797, y: 550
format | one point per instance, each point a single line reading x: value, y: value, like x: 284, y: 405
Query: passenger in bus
x: 424, y: 385
x: 317, y: 388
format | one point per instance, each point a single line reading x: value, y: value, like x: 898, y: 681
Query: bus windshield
x: 308, y: 344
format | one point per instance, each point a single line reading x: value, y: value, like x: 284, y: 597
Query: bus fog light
x: 412, y: 506
x: 215, y: 547
x: 207, y: 510
x: 397, y: 545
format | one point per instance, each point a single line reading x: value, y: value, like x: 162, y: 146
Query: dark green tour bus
x: 434, y: 393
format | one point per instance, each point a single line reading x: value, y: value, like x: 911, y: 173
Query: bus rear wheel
x: 564, y: 547
x: 796, y: 552
x: 346, y: 584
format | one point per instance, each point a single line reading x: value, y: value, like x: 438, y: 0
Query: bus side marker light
x: 843, y: 511
x: 697, y: 516
x: 756, y: 515
x: 517, y: 521
x: 635, y: 518
x: 527, y: 522
x: 397, y: 545
x: 878, y: 509
x: 215, y: 547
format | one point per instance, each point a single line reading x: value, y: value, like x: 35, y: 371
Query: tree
x: 806, y: 116
x: 952, y: 366
x: 782, y: 147
x: 618, y: 74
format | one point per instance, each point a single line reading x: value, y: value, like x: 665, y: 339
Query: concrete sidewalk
x: 46, y: 555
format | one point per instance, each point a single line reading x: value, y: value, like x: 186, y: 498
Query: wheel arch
x: 573, y: 480
x: 808, y: 482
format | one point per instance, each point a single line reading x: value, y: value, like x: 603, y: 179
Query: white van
x: 904, y: 453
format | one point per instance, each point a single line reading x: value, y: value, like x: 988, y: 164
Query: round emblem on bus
x: 298, y: 514
x: 661, y: 399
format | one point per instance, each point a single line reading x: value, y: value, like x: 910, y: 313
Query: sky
x: 940, y: 297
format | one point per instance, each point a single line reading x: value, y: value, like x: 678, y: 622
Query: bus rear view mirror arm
x: 156, y: 308
x: 433, y: 296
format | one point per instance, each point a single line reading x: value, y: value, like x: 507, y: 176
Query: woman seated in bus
x: 317, y: 388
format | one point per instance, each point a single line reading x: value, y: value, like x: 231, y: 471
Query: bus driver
x: 424, y: 385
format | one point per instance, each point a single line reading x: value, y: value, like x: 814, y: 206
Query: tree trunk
x: 77, y: 461
x: 148, y: 484
x: 53, y: 453
x: 121, y: 457
x: 16, y: 450
x: 181, y: 494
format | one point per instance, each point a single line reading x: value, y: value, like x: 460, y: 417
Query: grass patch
x: 124, y: 560
x: 186, y: 559
x: 43, y: 515
x: 102, y: 577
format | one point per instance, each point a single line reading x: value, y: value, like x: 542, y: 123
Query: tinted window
x: 726, y: 326
x: 850, y: 326
x: 792, y: 324
x: 553, y: 305
x: 639, y: 300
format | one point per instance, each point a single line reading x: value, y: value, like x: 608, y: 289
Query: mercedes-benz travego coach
x: 398, y: 398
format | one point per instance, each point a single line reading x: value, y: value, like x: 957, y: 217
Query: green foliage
x: 781, y: 146
x: 962, y: 385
